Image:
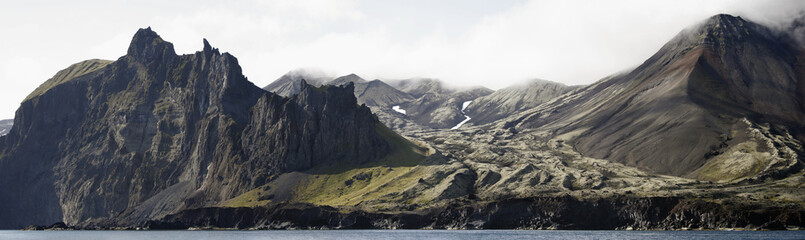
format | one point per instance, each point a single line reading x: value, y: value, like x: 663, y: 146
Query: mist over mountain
x: 291, y: 83
x: 419, y: 103
x: 5, y: 126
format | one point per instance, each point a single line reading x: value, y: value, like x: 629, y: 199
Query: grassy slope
x: 69, y: 73
x: 741, y: 161
x: 348, y: 185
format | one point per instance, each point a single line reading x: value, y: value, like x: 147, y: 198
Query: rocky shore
x: 540, y: 213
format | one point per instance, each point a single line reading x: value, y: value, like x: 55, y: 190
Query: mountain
x: 5, y: 126
x: 291, y: 83
x: 403, y: 105
x: 351, y: 78
x: 373, y: 93
x: 515, y: 99
x: 418, y: 87
x: 722, y: 101
x: 442, y: 111
x: 434, y: 106
x: 154, y: 132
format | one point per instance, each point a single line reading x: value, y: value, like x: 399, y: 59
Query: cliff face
x: 155, y: 132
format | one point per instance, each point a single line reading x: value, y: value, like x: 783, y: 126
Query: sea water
x: 395, y: 234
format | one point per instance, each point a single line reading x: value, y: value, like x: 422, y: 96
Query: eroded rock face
x: 155, y: 132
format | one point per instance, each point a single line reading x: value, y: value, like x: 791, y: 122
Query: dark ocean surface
x: 396, y: 234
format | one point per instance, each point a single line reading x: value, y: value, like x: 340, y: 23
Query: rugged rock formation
x: 721, y: 101
x: 531, y: 213
x: 155, y: 132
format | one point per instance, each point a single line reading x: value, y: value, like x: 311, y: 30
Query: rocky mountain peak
x: 725, y: 20
x: 207, y: 46
x: 147, y: 45
x: 722, y: 28
x: 348, y: 78
x: 353, y: 76
x: 208, y: 49
x: 725, y: 31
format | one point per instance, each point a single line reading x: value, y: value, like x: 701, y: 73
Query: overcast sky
x: 490, y: 43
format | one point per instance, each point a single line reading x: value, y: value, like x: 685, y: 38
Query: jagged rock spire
x: 147, y: 45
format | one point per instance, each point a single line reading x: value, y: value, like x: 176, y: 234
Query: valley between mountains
x: 707, y: 133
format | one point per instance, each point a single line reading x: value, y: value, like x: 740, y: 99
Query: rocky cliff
x: 531, y: 213
x: 155, y: 132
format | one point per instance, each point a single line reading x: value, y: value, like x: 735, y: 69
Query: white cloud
x: 14, y: 72
x: 490, y: 43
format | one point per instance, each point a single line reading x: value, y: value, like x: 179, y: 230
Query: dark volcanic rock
x: 155, y: 132
x: 531, y: 213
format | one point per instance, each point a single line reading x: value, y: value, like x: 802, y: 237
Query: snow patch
x: 466, y: 119
x: 464, y: 106
x: 399, y: 110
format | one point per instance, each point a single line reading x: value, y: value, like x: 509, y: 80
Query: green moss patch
x: 738, y: 162
x: 70, y: 73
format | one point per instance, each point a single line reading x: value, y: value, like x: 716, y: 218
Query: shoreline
x: 538, y: 213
